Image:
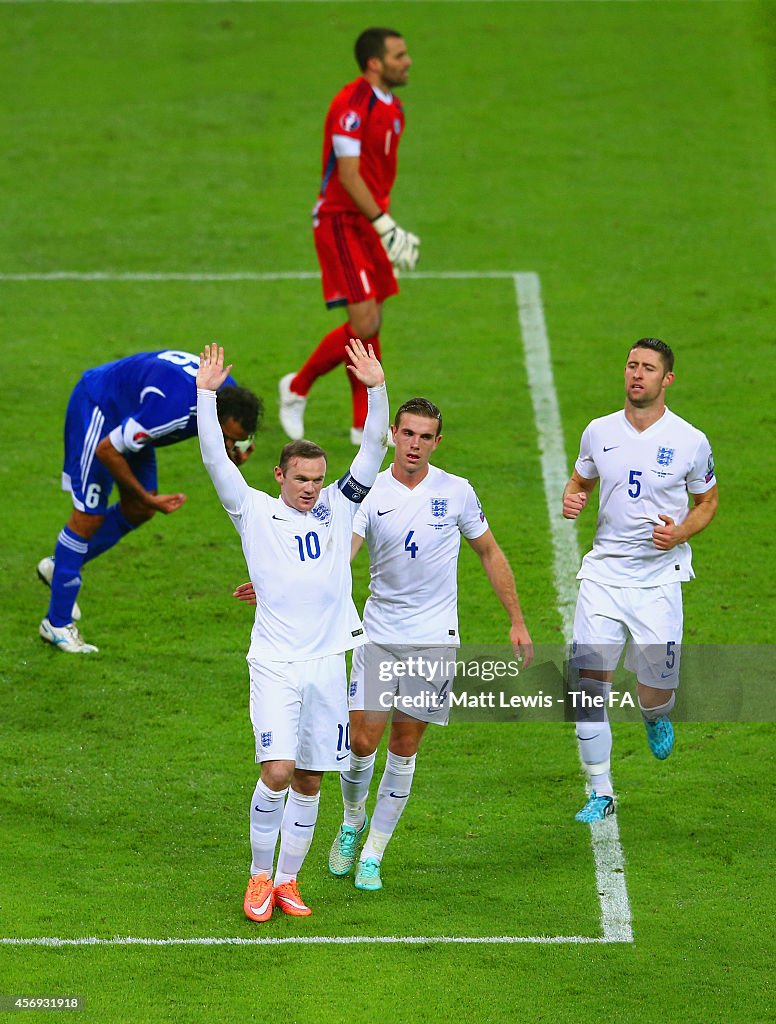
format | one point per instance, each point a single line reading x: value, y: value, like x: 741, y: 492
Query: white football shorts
x: 649, y: 619
x: 299, y: 712
x: 416, y: 681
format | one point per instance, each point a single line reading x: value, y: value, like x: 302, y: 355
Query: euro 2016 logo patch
x: 396, y: 126
x: 266, y: 739
x: 439, y: 507
x: 709, y: 469
x: 665, y: 456
x: 350, y: 122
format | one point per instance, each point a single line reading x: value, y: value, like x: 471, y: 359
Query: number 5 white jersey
x: 643, y: 474
x: 413, y: 537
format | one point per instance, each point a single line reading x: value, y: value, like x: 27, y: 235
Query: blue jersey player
x: 118, y: 414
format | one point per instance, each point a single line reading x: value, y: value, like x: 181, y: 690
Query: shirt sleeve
x: 701, y: 477
x: 363, y: 472
x: 361, y: 521
x: 227, y: 479
x: 344, y: 145
x: 472, y: 522
x: 585, y: 464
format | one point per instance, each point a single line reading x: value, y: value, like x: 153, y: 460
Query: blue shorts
x: 88, y: 481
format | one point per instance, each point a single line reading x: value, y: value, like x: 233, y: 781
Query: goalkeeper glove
x: 400, y: 245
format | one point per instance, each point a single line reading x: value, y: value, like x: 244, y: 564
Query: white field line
x: 604, y: 836
x: 321, y: 940
x: 258, y: 1
x: 609, y: 859
x: 237, y: 275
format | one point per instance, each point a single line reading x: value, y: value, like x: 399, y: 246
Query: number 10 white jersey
x: 414, y: 537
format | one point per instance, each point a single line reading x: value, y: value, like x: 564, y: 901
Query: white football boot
x: 65, y: 638
x: 291, y: 408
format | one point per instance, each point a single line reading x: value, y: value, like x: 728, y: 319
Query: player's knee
x: 365, y: 324
x: 84, y: 524
x: 306, y: 783
x: 406, y: 735
x: 362, y: 746
x: 365, y: 738
x: 588, y: 698
x: 404, y: 747
x: 277, y: 775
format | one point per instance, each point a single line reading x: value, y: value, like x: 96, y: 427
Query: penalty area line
x: 616, y: 920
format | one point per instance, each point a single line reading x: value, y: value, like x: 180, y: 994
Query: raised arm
x: 365, y: 366
x: 227, y: 478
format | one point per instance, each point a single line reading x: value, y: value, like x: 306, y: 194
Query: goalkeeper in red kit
x: 357, y: 241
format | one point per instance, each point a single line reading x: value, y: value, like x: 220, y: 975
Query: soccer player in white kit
x: 647, y: 460
x: 297, y: 548
x: 412, y: 521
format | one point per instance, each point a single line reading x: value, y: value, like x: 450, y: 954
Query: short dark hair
x: 239, y: 404
x: 299, y: 450
x: 663, y: 350
x: 420, y: 407
x: 371, y: 43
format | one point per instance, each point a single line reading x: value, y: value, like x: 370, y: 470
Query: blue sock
x: 114, y: 527
x: 69, y: 556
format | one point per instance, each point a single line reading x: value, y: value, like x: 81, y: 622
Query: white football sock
x: 392, y: 795
x: 266, y: 816
x: 355, y: 788
x: 595, y: 748
x: 594, y: 733
x: 296, y: 834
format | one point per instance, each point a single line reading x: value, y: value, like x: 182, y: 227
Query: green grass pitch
x: 624, y: 152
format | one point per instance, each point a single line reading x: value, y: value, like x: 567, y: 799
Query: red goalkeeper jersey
x: 356, y: 112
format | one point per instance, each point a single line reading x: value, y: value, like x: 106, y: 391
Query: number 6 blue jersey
x: 149, y: 399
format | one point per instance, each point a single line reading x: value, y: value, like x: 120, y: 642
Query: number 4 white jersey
x: 413, y: 537
x: 643, y: 474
